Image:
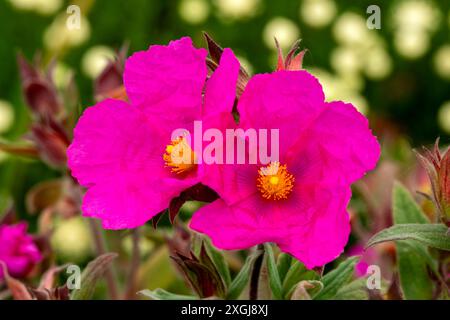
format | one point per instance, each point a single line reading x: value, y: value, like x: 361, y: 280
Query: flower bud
x: 18, y: 250
x: 437, y: 166
x: 39, y: 91
x: 51, y: 144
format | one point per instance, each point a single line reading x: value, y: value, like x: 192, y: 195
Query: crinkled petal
x: 128, y: 201
x: 167, y: 81
x: 221, y: 87
x: 284, y: 100
x: 338, y: 147
x: 312, y: 224
x: 117, y: 153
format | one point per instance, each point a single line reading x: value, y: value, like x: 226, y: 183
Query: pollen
x: 275, y: 182
x: 179, y: 156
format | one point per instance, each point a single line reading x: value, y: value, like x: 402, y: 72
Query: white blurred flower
x: 237, y: 9
x: 345, y: 60
x: 283, y: 29
x: 6, y: 116
x: 421, y: 15
x: 444, y: 117
x: 95, y: 60
x: 378, y: 64
x: 57, y: 36
x: 351, y: 29
x: 72, y: 240
x: 340, y: 88
x: 441, y: 61
x: 318, y: 13
x: 44, y: 7
x: 194, y: 11
x: 61, y: 75
x: 411, y: 44
x: 145, y: 245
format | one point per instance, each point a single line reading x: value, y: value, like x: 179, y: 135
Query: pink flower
x: 368, y: 257
x: 122, y: 152
x: 17, y: 250
x: 299, y: 202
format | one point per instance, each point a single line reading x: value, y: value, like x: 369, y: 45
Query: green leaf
x: 432, y: 235
x: 355, y: 290
x: 297, y: 273
x: 242, y: 278
x: 412, y: 266
x: 305, y: 289
x: 334, y: 280
x: 161, y: 294
x: 284, y: 264
x: 413, y: 273
x: 405, y: 209
x: 274, y: 277
x: 91, y: 275
x: 219, y: 261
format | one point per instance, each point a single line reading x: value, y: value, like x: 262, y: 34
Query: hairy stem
x: 100, y: 249
x: 130, y: 292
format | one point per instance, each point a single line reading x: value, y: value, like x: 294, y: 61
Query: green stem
x: 100, y: 248
x: 130, y: 292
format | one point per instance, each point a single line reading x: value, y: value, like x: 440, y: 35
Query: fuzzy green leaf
x: 91, y: 275
x: 219, y: 261
x: 432, y: 235
x: 355, y: 290
x: 242, y: 278
x: 412, y: 266
x: 283, y: 264
x: 297, y: 273
x: 274, y: 277
x: 305, y: 289
x: 334, y: 280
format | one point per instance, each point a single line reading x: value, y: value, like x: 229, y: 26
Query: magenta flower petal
x: 313, y: 225
x: 221, y: 87
x: 339, y: 146
x: 17, y: 250
x: 167, y: 81
x: 121, y: 152
x: 284, y: 100
x: 116, y: 152
x: 300, y: 205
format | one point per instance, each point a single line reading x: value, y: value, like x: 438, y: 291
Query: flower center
x: 179, y: 156
x: 274, y: 181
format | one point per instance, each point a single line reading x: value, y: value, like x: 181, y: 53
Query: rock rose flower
x: 298, y: 202
x: 123, y: 153
x: 17, y: 250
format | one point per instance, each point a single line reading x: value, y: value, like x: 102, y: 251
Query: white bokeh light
x: 285, y: 30
x: 44, y: 7
x: 6, y: 116
x: 441, y: 61
x: 411, y: 44
x: 237, y: 9
x: 194, y: 11
x: 95, y: 60
x: 318, y: 13
x: 444, y: 117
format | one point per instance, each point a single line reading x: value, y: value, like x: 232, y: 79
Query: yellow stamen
x: 275, y: 182
x: 179, y: 156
